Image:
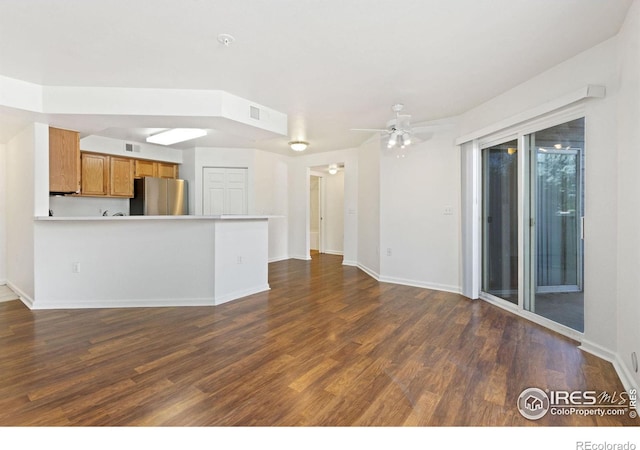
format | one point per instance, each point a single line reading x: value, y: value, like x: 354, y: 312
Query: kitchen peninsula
x: 133, y: 261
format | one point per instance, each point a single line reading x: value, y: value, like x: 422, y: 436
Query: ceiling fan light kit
x: 398, y: 130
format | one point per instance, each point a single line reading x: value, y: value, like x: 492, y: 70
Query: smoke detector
x: 226, y: 39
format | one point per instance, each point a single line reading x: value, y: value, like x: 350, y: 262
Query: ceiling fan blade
x: 370, y: 130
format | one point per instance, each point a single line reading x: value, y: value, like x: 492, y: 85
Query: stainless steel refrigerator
x: 159, y: 197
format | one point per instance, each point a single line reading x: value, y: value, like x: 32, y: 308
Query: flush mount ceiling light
x: 333, y: 169
x: 176, y: 135
x: 298, y: 146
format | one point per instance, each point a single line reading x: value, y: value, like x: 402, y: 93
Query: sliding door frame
x: 526, y: 278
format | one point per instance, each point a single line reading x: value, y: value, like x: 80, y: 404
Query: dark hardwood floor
x: 328, y: 345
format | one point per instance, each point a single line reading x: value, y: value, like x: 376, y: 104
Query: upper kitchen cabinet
x: 145, y: 168
x: 121, y: 177
x: 167, y: 170
x: 64, y: 161
x: 95, y: 174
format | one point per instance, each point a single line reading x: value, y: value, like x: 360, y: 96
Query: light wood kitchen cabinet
x: 121, y: 176
x: 145, y: 168
x: 112, y: 176
x: 64, y: 160
x: 167, y: 170
x: 95, y: 174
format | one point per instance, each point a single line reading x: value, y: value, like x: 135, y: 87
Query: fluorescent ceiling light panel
x: 176, y: 135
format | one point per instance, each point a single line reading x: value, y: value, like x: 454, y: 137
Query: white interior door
x: 224, y: 191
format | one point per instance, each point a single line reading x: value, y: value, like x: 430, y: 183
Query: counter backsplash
x: 67, y: 206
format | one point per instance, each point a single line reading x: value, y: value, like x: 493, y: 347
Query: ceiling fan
x: 398, y: 132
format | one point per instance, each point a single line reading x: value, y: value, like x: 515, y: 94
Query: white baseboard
x: 6, y: 294
x: 24, y: 298
x: 597, y: 350
x: 302, y: 257
x: 372, y: 273
x: 348, y: 262
x: 623, y: 371
x: 278, y: 258
x: 334, y: 252
x: 220, y: 299
x: 422, y: 284
x: 625, y: 374
x: 127, y: 303
x: 146, y: 303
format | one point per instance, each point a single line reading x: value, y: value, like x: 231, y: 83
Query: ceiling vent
x: 254, y: 112
x: 131, y: 148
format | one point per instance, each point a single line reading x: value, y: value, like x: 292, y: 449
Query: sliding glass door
x: 532, y: 250
x: 555, y: 289
x: 500, y: 221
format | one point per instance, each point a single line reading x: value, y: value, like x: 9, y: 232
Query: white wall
x: 219, y: 157
x: 188, y: 173
x: 27, y: 158
x: 594, y: 66
x: 299, y: 171
x: 271, y: 198
x: 116, y: 147
x: 137, y: 261
x: 369, y: 207
x: 334, y: 213
x: 267, y: 183
x: 3, y: 214
x: 420, y: 213
x: 628, y: 262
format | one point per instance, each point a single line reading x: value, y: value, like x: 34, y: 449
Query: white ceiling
x: 330, y: 65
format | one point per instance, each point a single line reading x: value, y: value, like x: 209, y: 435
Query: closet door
x: 224, y: 191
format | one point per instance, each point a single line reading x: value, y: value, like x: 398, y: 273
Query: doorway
x: 316, y: 213
x: 326, y: 210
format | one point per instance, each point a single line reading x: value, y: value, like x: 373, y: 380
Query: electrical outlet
x: 388, y: 252
x: 448, y: 211
x: 75, y: 267
x: 239, y: 260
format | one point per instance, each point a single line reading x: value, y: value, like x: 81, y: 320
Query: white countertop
x: 127, y: 218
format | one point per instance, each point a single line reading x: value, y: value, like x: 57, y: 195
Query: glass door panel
x: 500, y: 221
x: 557, y: 220
x: 556, y: 210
